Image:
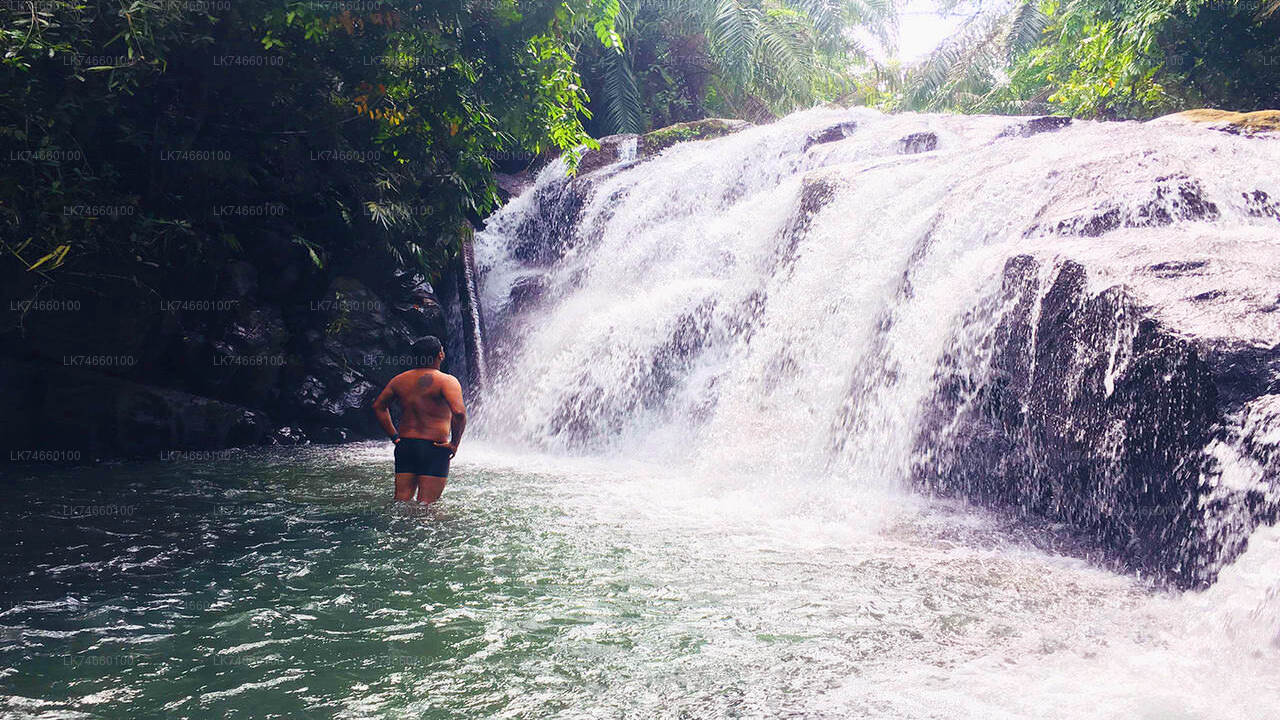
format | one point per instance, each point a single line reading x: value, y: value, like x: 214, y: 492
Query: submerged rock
x: 1035, y: 126
x: 918, y: 143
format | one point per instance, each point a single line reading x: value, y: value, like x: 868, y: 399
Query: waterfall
x: 1077, y: 320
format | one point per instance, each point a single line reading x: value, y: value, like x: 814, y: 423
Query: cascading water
x: 1078, y: 322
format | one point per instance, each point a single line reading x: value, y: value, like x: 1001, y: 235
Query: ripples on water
x: 284, y: 584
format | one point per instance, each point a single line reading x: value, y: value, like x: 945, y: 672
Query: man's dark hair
x: 429, y: 347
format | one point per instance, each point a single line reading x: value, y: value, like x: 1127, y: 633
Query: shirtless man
x: 431, y: 424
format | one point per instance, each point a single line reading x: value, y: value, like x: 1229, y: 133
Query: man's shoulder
x: 406, y: 376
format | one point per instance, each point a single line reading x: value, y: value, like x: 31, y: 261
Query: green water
x: 285, y: 584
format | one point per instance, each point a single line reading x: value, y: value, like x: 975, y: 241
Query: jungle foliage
x: 172, y: 135
x: 1105, y: 59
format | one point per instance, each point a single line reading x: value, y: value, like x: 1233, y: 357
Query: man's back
x: 428, y: 399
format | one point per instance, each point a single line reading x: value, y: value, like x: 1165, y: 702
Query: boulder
x: 512, y: 184
x: 652, y: 143
x: 1089, y: 410
x: 287, y: 435
x: 95, y: 415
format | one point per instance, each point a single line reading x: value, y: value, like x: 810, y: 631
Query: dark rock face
x: 815, y: 193
x: 1261, y: 205
x: 214, y: 367
x: 1084, y: 410
x: 361, y: 345
x: 510, y: 185
x: 527, y: 292
x: 1035, y: 126
x: 831, y: 134
x: 918, y: 143
x: 465, y: 352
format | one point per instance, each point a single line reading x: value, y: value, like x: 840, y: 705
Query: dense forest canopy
x: 169, y: 133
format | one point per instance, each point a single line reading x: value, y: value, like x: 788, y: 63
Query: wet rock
x: 1260, y: 204
x: 543, y: 237
x: 834, y: 133
x: 918, y: 143
x: 1086, y: 410
x: 360, y: 341
x: 815, y: 193
x: 527, y: 291
x: 1207, y: 296
x: 1177, y: 268
x: 243, y: 360
x: 512, y: 184
x: 329, y: 435
x: 287, y: 435
x: 1035, y: 126
x: 652, y: 143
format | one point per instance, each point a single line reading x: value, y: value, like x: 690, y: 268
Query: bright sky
x: 921, y: 28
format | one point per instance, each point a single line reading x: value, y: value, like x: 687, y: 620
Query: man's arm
x: 453, y: 395
x: 380, y: 409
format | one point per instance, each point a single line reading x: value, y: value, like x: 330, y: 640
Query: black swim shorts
x: 421, y: 457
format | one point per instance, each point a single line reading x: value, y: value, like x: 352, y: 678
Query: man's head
x: 430, y: 349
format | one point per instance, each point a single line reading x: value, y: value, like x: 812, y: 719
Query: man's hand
x: 453, y: 447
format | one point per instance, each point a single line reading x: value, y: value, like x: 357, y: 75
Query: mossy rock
x: 655, y: 142
x: 1236, y: 123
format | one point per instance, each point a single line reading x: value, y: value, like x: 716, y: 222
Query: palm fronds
x: 762, y: 56
x: 966, y: 67
x: 623, y: 105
